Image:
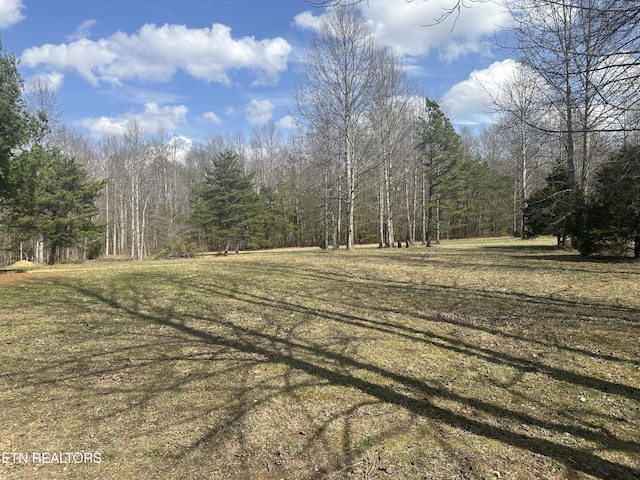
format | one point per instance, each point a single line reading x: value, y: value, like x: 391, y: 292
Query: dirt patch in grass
x: 14, y: 271
x: 6, y: 276
x: 487, y: 359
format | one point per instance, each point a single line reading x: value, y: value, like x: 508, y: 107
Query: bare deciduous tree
x: 337, y: 89
x: 391, y: 127
x: 522, y: 103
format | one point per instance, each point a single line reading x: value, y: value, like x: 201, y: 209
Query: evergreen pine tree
x: 441, y: 150
x: 613, y: 213
x: 17, y: 128
x: 53, y: 199
x: 548, y: 210
x: 226, y: 207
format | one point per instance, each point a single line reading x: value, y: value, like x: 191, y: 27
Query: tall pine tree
x: 441, y: 151
x: 226, y: 207
x: 548, y: 210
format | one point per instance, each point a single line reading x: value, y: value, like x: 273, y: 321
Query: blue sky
x: 196, y: 67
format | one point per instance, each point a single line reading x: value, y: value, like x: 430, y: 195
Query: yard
x: 474, y: 359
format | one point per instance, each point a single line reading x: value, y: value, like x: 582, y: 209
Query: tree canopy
x: 361, y: 165
x: 47, y: 197
x: 441, y: 150
x: 17, y: 128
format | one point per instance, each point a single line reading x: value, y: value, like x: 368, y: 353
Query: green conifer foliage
x: 226, y: 207
x: 53, y: 199
x: 16, y: 127
x: 613, y: 213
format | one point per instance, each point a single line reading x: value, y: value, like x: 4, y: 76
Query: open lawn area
x: 475, y: 359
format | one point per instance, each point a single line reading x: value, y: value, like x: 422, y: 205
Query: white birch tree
x: 338, y: 86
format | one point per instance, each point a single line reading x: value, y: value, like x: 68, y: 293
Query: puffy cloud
x: 10, y: 12
x: 105, y: 125
x: 155, y: 54
x: 51, y: 81
x: 411, y: 28
x: 83, y: 55
x: 259, y: 111
x: 154, y: 118
x: 307, y: 21
x: 470, y: 101
x: 212, y: 117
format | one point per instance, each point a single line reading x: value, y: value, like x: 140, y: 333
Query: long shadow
x: 419, y: 402
x: 399, y: 290
x: 73, y: 372
x: 557, y: 254
x: 468, y: 292
x: 546, y: 263
x: 524, y: 249
x: 430, y: 337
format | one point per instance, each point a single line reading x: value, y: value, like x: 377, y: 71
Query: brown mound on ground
x: 22, y: 264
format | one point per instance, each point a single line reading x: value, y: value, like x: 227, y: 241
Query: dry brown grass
x: 483, y: 359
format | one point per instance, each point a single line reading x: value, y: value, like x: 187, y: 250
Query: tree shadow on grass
x: 463, y: 300
x: 277, y: 344
x: 557, y: 254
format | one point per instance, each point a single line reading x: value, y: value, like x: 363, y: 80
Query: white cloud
x: 155, y: 54
x: 105, y: 125
x: 470, y: 101
x: 410, y: 27
x: 154, y: 118
x: 212, y: 117
x: 457, y: 48
x: 52, y: 81
x: 229, y: 111
x: 307, y: 21
x: 259, y: 111
x: 83, y: 31
x: 287, y: 122
x: 10, y: 12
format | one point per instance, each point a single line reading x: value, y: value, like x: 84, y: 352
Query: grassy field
x: 481, y: 359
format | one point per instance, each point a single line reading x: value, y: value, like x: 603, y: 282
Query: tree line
x: 578, y: 90
x: 372, y: 160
